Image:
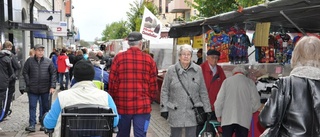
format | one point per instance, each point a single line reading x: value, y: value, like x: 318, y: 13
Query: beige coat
x: 237, y: 99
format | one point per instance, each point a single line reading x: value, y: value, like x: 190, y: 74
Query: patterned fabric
x: 133, y: 81
x: 239, y: 48
x: 220, y: 42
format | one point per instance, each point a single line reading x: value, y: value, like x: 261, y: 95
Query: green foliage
x: 115, y: 30
x: 208, y: 8
x: 84, y: 43
x: 135, y: 13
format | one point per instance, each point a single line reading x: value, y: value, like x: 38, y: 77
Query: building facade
x: 20, y: 23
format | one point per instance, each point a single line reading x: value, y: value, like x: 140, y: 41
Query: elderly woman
x: 301, y: 116
x: 175, y: 103
x: 237, y: 99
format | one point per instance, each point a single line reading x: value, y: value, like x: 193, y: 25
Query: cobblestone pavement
x: 13, y: 125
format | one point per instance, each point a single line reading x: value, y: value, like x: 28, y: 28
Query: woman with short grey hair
x: 306, y: 53
x: 301, y: 116
x: 175, y: 104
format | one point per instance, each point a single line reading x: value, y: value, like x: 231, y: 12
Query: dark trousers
x: 66, y: 74
x: 12, y: 89
x: 240, y: 131
x: 209, y: 127
x: 140, y: 125
x: 189, y: 131
x: 2, y: 103
x: 33, y: 100
x: 71, y: 73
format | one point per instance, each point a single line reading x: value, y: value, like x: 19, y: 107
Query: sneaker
x: 42, y: 128
x: 31, y: 129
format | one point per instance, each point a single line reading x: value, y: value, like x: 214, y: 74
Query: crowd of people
x: 127, y: 83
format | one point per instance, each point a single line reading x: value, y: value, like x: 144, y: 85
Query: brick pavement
x: 14, y: 125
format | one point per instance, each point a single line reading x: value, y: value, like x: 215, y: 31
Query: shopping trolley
x: 215, y: 125
x: 83, y: 120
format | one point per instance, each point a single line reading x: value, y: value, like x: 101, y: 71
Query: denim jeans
x: 66, y: 74
x: 140, y: 125
x: 33, y: 100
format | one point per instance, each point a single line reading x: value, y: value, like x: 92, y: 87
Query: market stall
x: 287, y: 21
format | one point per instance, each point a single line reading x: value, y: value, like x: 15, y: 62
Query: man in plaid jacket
x: 133, y: 86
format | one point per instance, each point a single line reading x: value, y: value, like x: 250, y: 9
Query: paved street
x: 13, y: 126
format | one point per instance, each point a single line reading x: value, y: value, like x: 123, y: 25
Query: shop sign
x: 183, y: 40
x: 197, y: 41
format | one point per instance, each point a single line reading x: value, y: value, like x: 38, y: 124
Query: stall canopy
x: 292, y: 15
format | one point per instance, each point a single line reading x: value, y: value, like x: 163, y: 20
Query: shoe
x: 61, y: 88
x: 31, y: 129
x: 42, y: 128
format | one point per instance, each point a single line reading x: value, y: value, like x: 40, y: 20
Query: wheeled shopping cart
x: 84, y: 120
x: 215, y: 125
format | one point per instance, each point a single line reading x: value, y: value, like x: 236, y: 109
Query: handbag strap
x: 286, y: 96
x: 185, y: 89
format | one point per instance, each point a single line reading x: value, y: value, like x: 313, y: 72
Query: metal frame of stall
x: 285, y: 69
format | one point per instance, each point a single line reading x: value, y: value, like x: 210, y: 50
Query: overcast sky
x: 92, y: 16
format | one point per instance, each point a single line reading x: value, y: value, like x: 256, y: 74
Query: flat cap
x: 213, y: 52
x: 134, y: 36
x: 38, y: 46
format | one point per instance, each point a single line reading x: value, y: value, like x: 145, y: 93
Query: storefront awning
x: 50, y: 35
x: 26, y: 26
x: 40, y: 34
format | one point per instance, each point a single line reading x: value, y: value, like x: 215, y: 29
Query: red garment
x: 212, y: 87
x: 61, y: 62
x: 133, y: 81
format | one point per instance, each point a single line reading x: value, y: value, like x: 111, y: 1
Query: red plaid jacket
x: 133, y: 81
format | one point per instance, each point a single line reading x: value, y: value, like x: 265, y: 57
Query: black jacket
x: 15, y: 64
x: 6, y: 71
x: 39, y: 76
x: 302, y: 116
x: 77, y: 58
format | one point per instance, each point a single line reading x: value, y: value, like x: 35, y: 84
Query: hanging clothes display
x: 220, y: 42
x: 239, y: 47
x: 266, y: 54
x: 296, y: 39
x: 284, y: 48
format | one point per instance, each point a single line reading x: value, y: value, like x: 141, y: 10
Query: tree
x: 208, y: 8
x: 84, y: 43
x: 115, y: 30
x: 136, y: 12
